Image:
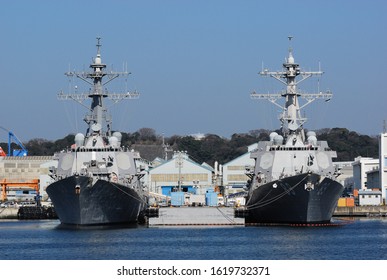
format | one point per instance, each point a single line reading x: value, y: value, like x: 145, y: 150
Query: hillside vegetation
x: 347, y: 144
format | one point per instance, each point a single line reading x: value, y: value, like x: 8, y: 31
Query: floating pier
x: 196, y: 216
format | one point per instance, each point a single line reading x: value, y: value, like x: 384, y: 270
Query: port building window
x: 236, y: 167
x: 236, y: 177
x: 175, y: 177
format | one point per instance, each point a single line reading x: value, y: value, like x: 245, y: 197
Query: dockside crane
x: 22, y: 152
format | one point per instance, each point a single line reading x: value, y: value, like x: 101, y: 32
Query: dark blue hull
x: 293, y: 200
x: 78, y: 202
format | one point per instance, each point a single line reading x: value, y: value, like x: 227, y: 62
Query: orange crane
x: 7, y: 185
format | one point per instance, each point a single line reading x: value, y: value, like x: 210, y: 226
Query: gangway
x: 12, y: 185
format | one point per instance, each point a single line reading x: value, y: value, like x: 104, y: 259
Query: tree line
x: 211, y: 148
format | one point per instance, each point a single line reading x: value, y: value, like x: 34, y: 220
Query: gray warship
x: 294, y: 179
x: 97, y: 181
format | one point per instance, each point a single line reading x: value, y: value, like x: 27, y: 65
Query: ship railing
x: 100, y: 149
x: 105, y: 149
x: 284, y: 148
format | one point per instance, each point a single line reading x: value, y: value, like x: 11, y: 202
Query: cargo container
x: 341, y: 202
x: 177, y: 198
x: 350, y: 202
x: 211, y: 199
x: 346, y: 202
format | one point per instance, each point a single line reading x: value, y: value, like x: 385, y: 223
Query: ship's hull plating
x: 297, y: 199
x: 78, y: 202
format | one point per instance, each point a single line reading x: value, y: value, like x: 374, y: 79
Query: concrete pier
x: 361, y: 211
x: 8, y: 213
x: 196, y: 216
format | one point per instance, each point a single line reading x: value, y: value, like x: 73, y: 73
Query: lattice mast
x: 98, y: 116
x: 291, y: 119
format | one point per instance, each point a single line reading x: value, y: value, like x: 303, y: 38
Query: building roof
x: 369, y: 192
x: 185, y: 158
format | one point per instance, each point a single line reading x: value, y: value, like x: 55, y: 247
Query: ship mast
x: 291, y: 119
x: 98, y: 117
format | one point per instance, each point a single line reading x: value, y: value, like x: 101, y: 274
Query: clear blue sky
x: 193, y: 62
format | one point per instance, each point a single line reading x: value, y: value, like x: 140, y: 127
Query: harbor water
x: 358, y: 239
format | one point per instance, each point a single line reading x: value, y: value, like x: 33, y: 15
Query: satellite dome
x: 98, y: 60
x: 118, y: 135
x: 312, y: 140
x: 272, y: 136
x: 113, y: 141
x: 78, y: 139
x: 278, y: 140
x: 310, y: 133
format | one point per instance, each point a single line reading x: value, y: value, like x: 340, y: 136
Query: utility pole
x: 179, y: 164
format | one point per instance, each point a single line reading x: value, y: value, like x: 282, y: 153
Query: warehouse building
x: 234, y: 171
x: 180, y: 174
x: 22, y: 177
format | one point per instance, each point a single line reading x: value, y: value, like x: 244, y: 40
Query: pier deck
x: 8, y: 213
x: 196, y: 216
x: 360, y: 211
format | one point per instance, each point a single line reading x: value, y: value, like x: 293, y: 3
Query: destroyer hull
x: 302, y: 198
x: 79, y: 202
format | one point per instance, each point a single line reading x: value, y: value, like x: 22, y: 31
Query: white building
x: 373, y: 179
x: 361, y: 166
x: 383, y: 164
x: 234, y: 171
x: 346, y: 176
x: 370, y: 198
x: 192, y: 176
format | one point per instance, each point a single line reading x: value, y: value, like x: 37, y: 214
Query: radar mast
x: 98, y: 118
x: 291, y: 119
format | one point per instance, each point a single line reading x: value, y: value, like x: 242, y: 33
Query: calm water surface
x: 361, y: 239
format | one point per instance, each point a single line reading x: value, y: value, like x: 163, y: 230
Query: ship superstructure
x: 294, y: 179
x: 97, y: 181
